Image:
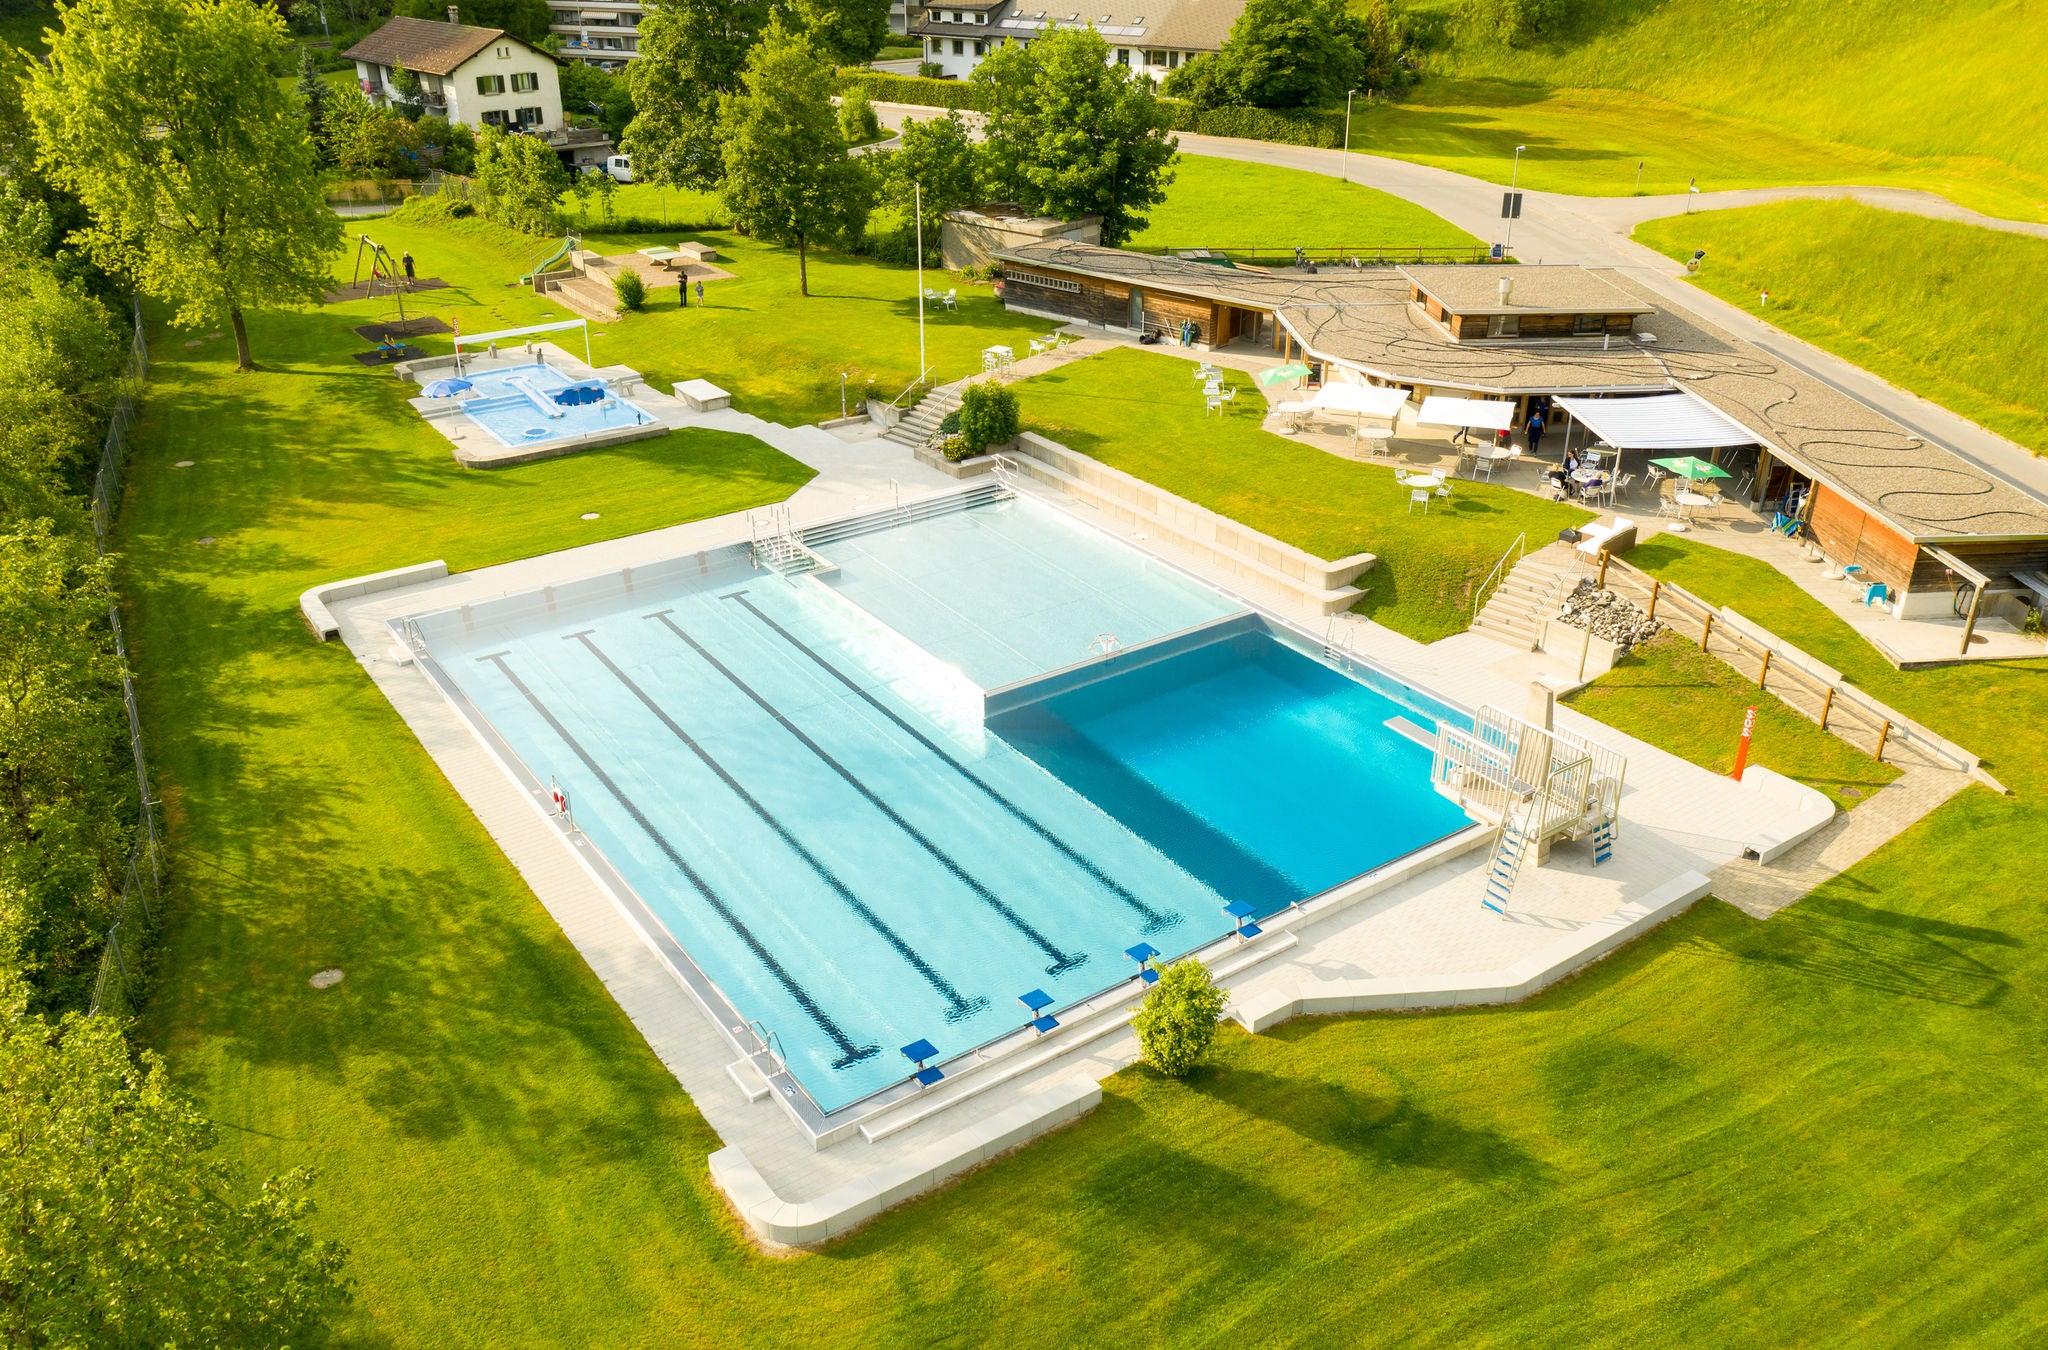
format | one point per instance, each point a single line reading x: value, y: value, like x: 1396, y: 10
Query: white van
x: 620, y: 167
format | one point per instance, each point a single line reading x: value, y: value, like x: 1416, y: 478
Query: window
x: 980, y: 47
x: 529, y: 117
x: 490, y: 84
x: 981, y: 18
x: 1123, y: 56
x: 526, y: 82
x: 1504, y: 325
x: 1155, y: 58
x: 1583, y: 324
x: 959, y: 47
x: 504, y: 53
x: 1172, y: 60
x: 496, y: 117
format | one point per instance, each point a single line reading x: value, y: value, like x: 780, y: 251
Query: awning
x: 1656, y: 422
x: 1366, y: 400
x: 1441, y: 410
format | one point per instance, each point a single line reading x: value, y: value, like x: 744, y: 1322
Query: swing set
x: 386, y: 275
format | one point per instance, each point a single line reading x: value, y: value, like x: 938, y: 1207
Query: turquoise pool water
x: 516, y: 405
x: 806, y: 797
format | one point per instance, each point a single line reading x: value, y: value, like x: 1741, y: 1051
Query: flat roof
x: 1363, y: 318
x: 1475, y: 289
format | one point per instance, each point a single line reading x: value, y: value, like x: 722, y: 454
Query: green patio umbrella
x: 1690, y: 467
x: 1293, y: 370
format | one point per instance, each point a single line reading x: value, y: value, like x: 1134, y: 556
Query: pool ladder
x: 1337, y: 639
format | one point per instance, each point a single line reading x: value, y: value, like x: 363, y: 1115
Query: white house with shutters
x: 481, y: 77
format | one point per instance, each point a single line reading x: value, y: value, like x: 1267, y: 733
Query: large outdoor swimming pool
x: 516, y: 405
x: 797, y: 777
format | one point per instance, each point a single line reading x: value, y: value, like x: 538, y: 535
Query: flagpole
x: 919, y: 208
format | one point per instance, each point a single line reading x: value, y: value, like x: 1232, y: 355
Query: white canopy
x: 1676, y: 421
x: 1441, y: 410
x: 1366, y: 400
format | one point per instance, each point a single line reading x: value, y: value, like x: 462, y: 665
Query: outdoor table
x: 1292, y: 413
x: 1428, y: 481
x: 1692, y: 499
x: 661, y: 257
x: 999, y: 356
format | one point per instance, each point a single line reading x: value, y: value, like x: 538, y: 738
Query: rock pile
x: 1609, y: 616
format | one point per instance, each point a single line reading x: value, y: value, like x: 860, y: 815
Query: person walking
x: 1534, y: 428
x: 407, y: 260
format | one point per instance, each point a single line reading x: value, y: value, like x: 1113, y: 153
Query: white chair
x: 951, y: 298
x: 990, y: 361
x: 1227, y: 393
x: 1443, y: 490
x: 1213, y: 404
x: 1418, y: 495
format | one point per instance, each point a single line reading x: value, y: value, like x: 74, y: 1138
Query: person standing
x: 1535, y: 431
x: 407, y: 260
x: 700, y: 293
x: 683, y: 292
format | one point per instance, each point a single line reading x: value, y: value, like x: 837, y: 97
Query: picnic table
x: 1695, y: 500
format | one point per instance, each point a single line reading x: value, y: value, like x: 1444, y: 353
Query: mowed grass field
x: 1824, y: 1128
x: 1227, y: 203
x: 1907, y: 93
x: 1952, y: 312
x: 1142, y: 412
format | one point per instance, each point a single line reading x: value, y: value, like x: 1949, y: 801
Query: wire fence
x: 142, y: 885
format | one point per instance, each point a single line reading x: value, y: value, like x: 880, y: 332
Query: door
x: 1137, y: 310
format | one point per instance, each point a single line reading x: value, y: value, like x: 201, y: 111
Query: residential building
x: 1151, y: 36
x: 480, y: 77
x: 601, y: 33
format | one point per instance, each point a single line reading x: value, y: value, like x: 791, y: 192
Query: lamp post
x: 1513, y: 179
x: 1345, y: 174
x: 917, y: 209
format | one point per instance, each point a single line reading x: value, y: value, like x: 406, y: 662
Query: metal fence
x: 143, y: 883
x: 1360, y: 255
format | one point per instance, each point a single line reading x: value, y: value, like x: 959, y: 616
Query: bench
x: 702, y: 396
x: 1617, y: 536
x: 702, y: 253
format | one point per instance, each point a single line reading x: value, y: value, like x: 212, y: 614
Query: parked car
x: 620, y: 167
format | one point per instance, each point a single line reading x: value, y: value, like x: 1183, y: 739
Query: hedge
x: 885, y: 88
x: 1321, y: 129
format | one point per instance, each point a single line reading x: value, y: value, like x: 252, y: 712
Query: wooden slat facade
x: 1849, y: 534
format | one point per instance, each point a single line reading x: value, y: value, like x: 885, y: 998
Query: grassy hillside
x: 1952, y: 312
x: 1905, y: 92
x: 1205, y: 208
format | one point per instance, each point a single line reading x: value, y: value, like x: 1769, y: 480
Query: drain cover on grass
x: 1852, y: 792
x: 590, y: 515
x: 327, y: 978
x: 206, y: 539
x: 184, y: 463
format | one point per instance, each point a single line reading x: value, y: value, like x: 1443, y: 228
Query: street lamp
x: 1346, y: 173
x: 1513, y: 179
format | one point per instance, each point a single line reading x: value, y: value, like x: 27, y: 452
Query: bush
x: 954, y: 448
x: 857, y: 120
x: 630, y: 289
x: 1324, y: 130
x: 949, y: 425
x: 1177, y: 1024
x: 881, y: 87
x: 988, y: 415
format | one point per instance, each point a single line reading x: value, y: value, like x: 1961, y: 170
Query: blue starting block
x: 1143, y: 954
x: 1036, y: 1002
x: 918, y: 1052
x: 1240, y: 912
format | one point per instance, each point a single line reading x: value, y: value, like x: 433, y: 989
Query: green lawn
x: 1951, y: 312
x: 1293, y: 207
x: 1824, y: 1129
x: 1142, y: 412
x: 781, y: 353
x: 1909, y: 93
x: 1670, y: 676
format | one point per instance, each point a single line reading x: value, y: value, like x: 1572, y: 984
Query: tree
x: 63, y: 799
x: 1514, y: 23
x: 857, y: 121
x: 527, y: 20
x: 1071, y: 134
x: 691, y: 55
x: 315, y: 94
x: 1177, y: 1024
x: 368, y: 141
x: 845, y: 32
x: 1280, y: 54
x: 518, y: 181
x: 408, y: 95
x: 192, y: 160
x: 59, y: 377
x: 937, y: 155
x: 988, y: 416
x: 788, y: 178
x: 588, y: 90
x: 630, y: 289
x: 123, y: 1229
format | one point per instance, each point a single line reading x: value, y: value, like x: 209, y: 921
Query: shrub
x: 630, y: 289
x: 988, y: 415
x: 1324, y: 130
x: 949, y: 425
x: 857, y: 120
x: 1177, y: 1024
x: 881, y: 87
x: 955, y: 448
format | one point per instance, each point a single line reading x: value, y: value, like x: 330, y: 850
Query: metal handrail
x: 1500, y: 569
x: 922, y: 377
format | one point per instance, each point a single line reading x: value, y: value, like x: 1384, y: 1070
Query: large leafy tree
x: 528, y: 19
x: 120, y: 1227
x: 518, y: 182
x: 691, y: 55
x: 193, y: 160
x: 938, y: 155
x: 1071, y: 134
x: 1280, y: 54
x: 845, y: 32
x: 788, y: 177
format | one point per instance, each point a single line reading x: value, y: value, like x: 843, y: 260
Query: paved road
x: 1594, y: 230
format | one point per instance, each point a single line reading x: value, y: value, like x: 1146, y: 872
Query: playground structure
x: 538, y: 266
x: 1535, y: 785
x: 386, y: 276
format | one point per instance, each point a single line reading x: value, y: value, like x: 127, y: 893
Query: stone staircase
x: 921, y: 423
x: 1514, y: 614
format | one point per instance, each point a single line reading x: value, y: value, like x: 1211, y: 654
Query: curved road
x: 1595, y: 231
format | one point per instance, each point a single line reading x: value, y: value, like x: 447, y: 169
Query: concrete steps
x: 1516, y: 611
x: 921, y: 423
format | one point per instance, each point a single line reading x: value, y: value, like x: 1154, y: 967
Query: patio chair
x: 1213, y: 404
x: 1877, y: 594
x: 1227, y: 392
x: 1484, y: 466
x: 1443, y: 490
x: 1418, y: 495
x: 1656, y: 477
x: 1667, y: 505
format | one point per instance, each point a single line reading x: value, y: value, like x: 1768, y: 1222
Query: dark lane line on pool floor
x: 1154, y: 920
x: 1061, y: 961
x: 849, y: 1053
x: 959, y: 1008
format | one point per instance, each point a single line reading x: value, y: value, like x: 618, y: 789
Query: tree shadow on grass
x: 1372, y: 1128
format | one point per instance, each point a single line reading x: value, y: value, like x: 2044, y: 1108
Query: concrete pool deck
x: 1413, y: 935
